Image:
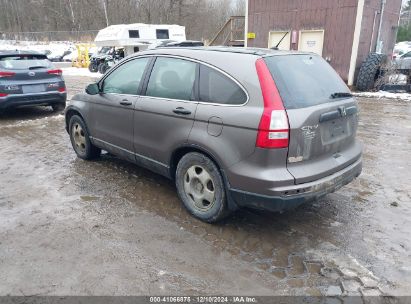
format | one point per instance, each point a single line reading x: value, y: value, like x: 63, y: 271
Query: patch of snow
x: 35, y: 122
x: 73, y: 71
x: 52, y: 46
x: 386, y: 95
x: 331, y: 253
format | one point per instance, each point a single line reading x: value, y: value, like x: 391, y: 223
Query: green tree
x: 404, y: 31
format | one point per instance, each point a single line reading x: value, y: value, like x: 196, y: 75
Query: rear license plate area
x: 338, y: 130
x: 34, y: 88
x: 334, y: 131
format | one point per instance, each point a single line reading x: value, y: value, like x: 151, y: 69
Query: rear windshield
x: 24, y: 62
x: 305, y: 80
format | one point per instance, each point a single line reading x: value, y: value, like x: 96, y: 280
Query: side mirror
x: 92, y: 89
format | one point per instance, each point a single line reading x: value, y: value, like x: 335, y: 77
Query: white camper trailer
x: 137, y: 37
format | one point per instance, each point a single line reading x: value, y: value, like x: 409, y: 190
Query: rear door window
x: 305, y: 80
x: 126, y: 78
x: 215, y: 87
x: 172, y: 78
x: 24, y: 62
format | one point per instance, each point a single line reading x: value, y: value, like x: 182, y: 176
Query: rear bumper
x: 290, y: 197
x: 25, y: 100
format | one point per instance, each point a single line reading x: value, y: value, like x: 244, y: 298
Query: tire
x: 93, y: 67
x: 369, y: 71
x: 201, y: 188
x: 59, y: 107
x: 80, y: 139
x: 104, y: 68
x: 101, y: 67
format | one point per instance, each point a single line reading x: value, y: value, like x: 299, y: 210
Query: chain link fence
x: 79, y: 36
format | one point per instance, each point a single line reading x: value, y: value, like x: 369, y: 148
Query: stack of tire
x: 370, y: 71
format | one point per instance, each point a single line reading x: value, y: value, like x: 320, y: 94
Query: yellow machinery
x: 83, y: 59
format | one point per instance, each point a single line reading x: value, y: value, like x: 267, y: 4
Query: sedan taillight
x: 4, y: 74
x: 55, y: 72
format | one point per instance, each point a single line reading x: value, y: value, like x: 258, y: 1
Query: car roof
x: 259, y: 52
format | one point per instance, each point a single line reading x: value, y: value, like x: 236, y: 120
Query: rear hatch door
x: 28, y: 73
x: 322, y: 113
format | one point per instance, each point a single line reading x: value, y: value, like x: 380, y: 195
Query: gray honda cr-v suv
x: 233, y: 127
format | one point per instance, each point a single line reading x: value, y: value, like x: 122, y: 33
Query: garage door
x: 275, y: 37
x: 311, y: 41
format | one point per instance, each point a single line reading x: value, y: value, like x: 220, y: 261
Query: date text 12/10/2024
x: 220, y: 299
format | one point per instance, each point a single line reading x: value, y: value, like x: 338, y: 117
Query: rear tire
x: 370, y: 71
x: 59, y: 107
x: 201, y: 188
x: 102, y: 68
x: 80, y: 139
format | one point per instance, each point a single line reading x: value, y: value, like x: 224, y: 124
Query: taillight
x: 4, y: 74
x: 55, y: 72
x: 3, y: 95
x: 62, y: 90
x: 273, y: 131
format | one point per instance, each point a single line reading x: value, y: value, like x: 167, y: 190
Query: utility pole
x: 380, y: 43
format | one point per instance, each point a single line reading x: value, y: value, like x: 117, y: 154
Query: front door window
x: 126, y: 79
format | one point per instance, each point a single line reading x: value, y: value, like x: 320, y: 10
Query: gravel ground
x: 69, y: 227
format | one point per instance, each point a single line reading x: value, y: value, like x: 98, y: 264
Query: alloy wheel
x: 199, y: 187
x: 79, y: 138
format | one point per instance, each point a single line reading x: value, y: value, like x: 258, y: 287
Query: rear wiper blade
x: 341, y: 95
x: 37, y: 67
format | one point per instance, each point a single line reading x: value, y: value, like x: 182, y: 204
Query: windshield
x: 305, y: 80
x: 24, y: 62
x: 104, y: 50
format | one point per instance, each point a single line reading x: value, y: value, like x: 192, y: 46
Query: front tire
x: 201, y: 188
x: 80, y: 139
x: 93, y: 67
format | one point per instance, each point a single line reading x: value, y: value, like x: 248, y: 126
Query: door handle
x: 125, y: 102
x: 182, y: 111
